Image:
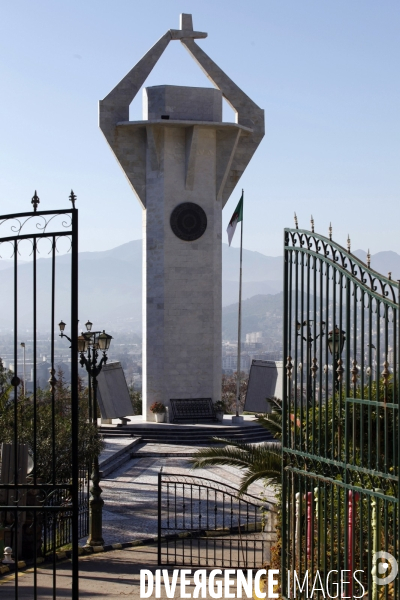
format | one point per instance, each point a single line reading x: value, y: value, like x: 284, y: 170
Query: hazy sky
x: 325, y: 71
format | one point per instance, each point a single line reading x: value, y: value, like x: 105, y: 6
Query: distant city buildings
x: 258, y: 346
x: 256, y: 337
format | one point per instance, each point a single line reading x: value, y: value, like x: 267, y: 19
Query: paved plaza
x: 130, y: 493
x: 130, y: 513
x: 112, y: 576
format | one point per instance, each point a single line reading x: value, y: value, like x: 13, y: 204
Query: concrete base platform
x: 190, y: 434
x: 237, y: 420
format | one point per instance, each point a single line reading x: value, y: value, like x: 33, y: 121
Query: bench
x: 193, y: 409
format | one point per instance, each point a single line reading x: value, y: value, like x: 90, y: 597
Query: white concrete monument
x: 183, y: 162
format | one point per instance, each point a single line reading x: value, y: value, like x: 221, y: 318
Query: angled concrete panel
x: 112, y: 392
x: 265, y: 381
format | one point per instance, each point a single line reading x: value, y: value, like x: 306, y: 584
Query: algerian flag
x: 236, y: 217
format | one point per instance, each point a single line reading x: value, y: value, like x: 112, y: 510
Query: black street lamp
x: 311, y: 364
x: 336, y: 340
x: 91, y: 343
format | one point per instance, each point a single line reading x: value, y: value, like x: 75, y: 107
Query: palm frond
x: 269, y: 478
x: 258, y: 462
x: 272, y: 422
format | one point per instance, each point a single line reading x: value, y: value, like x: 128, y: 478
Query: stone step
x: 147, y: 427
x: 194, y: 435
x: 161, y: 454
x: 117, y: 459
x: 208, y: 435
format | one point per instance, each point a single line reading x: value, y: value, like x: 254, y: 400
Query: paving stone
x: 103, y: 576
x: 130, y: 493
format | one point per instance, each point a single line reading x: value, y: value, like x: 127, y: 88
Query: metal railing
x: 57, y: 527
x: 205, y: 523
x: 340, y: 414
x: 29, y: 504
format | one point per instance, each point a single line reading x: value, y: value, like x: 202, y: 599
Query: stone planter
x: 160, y: 417
x: 220, y: 416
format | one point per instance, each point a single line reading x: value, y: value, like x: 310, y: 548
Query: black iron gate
x: 341, y: 419
x: 40, y: 481
x: 204, y: 523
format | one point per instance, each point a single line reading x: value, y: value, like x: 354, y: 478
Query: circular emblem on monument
x: 188, y: 221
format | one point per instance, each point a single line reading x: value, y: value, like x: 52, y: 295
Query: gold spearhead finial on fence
x: 354, y: 372
x: 339, y: 370
x: 289, y: 366
x: 385, y: 373
x: 314, y: 367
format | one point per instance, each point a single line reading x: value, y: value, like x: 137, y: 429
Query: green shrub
x: 53, y: 435
x: 137, y: 401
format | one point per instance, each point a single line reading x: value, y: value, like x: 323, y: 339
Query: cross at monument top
x: 186, y: 29
x: 186, y: 21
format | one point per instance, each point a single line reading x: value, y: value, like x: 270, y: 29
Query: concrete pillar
x: 181, y: 277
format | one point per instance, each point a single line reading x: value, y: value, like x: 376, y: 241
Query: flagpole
x: 239, y: 316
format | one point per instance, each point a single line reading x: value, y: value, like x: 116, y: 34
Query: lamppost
x: 336, y: 340
x: 23, y: 348
x: 93, y: 342
x: 311, y: 365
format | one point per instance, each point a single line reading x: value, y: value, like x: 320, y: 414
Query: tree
x: 273, y: 420
x: 5, y: 385
x: 53, y: 431
x: 228, y: 395
x: 256, y: 461
x: 136, y: 399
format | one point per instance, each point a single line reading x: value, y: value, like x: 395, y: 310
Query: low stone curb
x: 82, y: 551
x: 166, y: 454
x: 88, y: 550
x: 114, y: 462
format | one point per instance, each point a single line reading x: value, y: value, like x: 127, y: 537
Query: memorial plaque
x: 188, y: 221
x: 265, y: 381
x: 112, y: 392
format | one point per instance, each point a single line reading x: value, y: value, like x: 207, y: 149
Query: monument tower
x: 183, y: 162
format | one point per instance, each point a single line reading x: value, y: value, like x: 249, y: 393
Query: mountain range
x: 110, y: 286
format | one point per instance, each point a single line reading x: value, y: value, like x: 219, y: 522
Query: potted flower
x: 220, y: 409
x: 158, y: 410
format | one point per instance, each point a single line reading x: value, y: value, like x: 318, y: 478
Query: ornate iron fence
x: 205, y: 523
x: 57, y: 527
x: 40, y: 483
x: 340, y: 416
